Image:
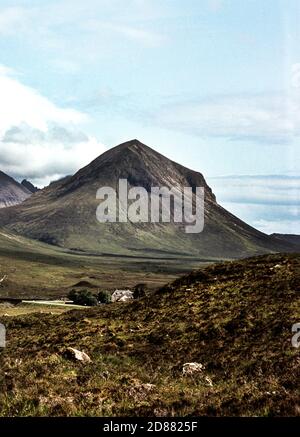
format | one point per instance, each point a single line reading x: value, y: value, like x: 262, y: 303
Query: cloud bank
x: 38, y: 139
x: 269, y: 203
x: 270, y: 119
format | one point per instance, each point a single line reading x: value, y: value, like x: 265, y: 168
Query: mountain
x: 29, y: 186
x: 11, y: 192
x: 234, y: 318
x: 64, y: 213
x: 289, y: 238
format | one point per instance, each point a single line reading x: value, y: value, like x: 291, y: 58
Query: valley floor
x: 34, y: 270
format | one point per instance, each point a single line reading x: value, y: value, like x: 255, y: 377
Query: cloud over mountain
x: 39, y: 139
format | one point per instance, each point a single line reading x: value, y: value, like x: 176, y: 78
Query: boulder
x: 196, y: 369
x: 192, y: 369
x: 76, y: 355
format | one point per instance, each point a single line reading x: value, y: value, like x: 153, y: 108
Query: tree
x: 104, y: 297
x: 83, y: 297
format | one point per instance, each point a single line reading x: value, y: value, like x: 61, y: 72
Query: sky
x: 212, y: 84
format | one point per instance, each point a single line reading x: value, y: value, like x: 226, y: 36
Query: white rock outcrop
x: 192, y: 369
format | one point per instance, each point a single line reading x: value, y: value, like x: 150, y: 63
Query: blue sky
x: 213, y: 84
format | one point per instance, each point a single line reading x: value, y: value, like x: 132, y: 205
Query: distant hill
x: 11, y: 192
x: 290, y: 238
x: 64, y: 213
x: 29, y: 186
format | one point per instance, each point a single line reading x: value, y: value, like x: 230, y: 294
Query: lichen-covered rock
x: 196, y: 370
x: 76, y: 355
x: 192, y: 369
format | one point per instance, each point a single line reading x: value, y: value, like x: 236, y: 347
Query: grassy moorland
x: 235, y: 318
x: 40, y: 271
x: 8, y: 310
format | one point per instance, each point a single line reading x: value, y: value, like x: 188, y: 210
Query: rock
x: 196, y: 369
x: 276, y: 267
x: 76, y: 355
x: 192, y: 369
x: 122, y: 296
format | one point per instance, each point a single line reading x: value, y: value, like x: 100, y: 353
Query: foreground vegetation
x: 234, y: 318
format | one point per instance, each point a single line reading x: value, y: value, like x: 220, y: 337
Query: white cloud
x: 269, y: 203
x: 22, y: 104
x: 47, y: 161
x: 278, y: 226
x: 5, y: 71
x: 38, y: 139
x: 56, y: 134
x: 257, y: 118
x: 260, y: 190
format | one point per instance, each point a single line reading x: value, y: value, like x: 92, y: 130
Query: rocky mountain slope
x: 11, y: 192
x: 29, y: 186
x: 64, y: 213
x: 289, y: 238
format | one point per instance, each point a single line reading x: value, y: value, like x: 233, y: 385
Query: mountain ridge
x: 29, y: 186
x: 11, y: 192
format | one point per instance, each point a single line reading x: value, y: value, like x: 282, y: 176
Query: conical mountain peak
x: 135, y: 146
x: 65, y: 212
x: 141, y: 165
x: 131, y: 143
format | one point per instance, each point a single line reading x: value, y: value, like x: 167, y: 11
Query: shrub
x: 83, y: 297
x: 139, y: 291
x: 104, y: 297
